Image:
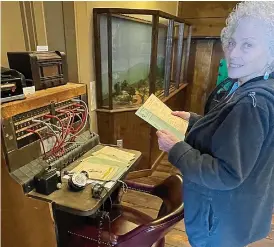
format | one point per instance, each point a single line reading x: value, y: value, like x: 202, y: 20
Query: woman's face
x: 247, y: 53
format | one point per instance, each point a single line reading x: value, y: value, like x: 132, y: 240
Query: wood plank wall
x: 208, y: 19
x: 206, y: 55
x: 26, y: 222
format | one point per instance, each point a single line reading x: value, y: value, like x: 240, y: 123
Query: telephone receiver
x: 78, y: 181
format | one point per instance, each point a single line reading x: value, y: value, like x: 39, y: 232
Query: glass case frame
x: 177, y: 50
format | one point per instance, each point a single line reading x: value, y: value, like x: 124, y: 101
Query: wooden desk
x: 41, y: 98
x: 30, y: 219
x: 81, y: 203
x: 29, y: 222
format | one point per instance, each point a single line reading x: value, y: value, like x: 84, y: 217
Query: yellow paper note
x: 111, y: 158
x: 97, y: 171
x: 156, y: 113
x: 116, y: 153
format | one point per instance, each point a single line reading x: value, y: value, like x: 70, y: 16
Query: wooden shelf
x: 135, y: 108
x: 42, y: 98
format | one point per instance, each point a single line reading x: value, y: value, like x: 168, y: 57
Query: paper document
x: 108, y: 157
x: 157, y: 114
x: 97, y: 171
x: 115, y: 153
x: 106, y: 164
x: 105, y: 161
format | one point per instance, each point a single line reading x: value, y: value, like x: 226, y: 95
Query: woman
x: 227, y: 158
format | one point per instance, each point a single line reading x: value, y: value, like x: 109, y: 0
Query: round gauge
x: 79, y: 179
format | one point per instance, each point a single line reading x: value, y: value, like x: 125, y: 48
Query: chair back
x: 171, y: 212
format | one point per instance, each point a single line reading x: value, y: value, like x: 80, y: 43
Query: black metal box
x: 41, y: 69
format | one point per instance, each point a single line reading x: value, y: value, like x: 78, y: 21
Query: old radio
x: 41, y: 69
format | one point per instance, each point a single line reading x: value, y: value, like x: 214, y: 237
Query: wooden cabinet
x: 136, y: 134
x: 135, y: 55
x: 138, y: 52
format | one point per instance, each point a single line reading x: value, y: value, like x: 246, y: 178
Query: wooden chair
x: 134, y: 228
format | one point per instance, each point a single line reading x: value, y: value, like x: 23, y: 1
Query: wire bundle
x: 64, y: 132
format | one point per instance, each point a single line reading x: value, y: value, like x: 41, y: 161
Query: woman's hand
x: 166, y: 140
x: 182, y: 114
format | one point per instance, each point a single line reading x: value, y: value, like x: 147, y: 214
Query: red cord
x: 58, y: 148
x: 82, y: 122
x: 59, y: 143
x: 66, y: 132
x: 40, y: 137
x: 73, y: 111
x: 56, y: 142
x: 59, y: 120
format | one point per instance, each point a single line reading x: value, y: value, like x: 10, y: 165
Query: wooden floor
x: 150, y: 205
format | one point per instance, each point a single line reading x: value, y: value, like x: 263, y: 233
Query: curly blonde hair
x: 263, y: 10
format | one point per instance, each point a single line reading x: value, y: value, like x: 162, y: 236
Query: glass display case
x: 138, y: 52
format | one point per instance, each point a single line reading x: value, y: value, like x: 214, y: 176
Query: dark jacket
x: 227, y: 161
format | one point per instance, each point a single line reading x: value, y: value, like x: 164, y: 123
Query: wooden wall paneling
x: 202, y: 74
x: 201, y: 78
x: 29, y: 27
x: 207, y: 17
x: 26, y: 222
x: 70, y: 39
x: 135, y: 134
x: 105, y: 127
x: 217, y: 55
x: 204, y: 62
x: 205, y: 9
x: 191, y: 62
x: 189, y: 76
x: 155, y: 151
x: 125, y: 125
x: 12, y: 35
x: 54, y: 24
x: 177, y: 103
x: 207, y: 27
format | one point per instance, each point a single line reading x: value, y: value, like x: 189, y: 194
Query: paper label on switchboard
x: 157, y: 114
x: 42, y: 48
x: 29, y: 90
